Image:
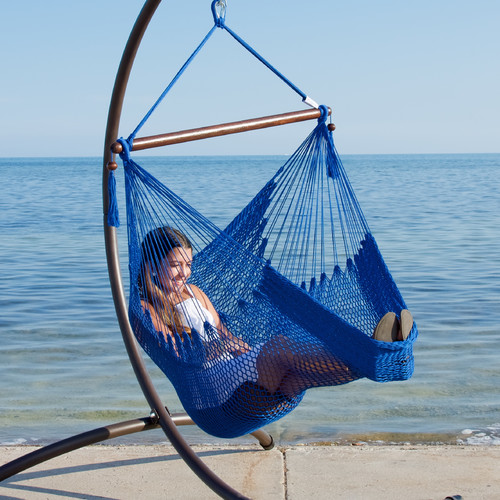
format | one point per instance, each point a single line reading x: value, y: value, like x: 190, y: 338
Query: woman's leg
x: 291, y: 367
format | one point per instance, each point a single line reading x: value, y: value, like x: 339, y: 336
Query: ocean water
x: 63, y: 367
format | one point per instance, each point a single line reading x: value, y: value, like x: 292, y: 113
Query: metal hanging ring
x: 219, y: 11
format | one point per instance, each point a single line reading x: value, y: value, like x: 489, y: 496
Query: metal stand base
x: 102, y: 434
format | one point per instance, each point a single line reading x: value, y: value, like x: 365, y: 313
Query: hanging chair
x: 296, y: 283
x: 307, y: 221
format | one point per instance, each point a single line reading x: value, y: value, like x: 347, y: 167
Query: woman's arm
x: 159, y: 325
x: 155, y: 318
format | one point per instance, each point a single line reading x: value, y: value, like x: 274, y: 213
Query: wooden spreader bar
x: 196, y: 134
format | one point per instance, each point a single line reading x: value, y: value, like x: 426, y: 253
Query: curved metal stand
x: 98, y: 435
x: 165, y: 420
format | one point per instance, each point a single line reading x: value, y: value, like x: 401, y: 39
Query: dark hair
x: 159, y: 242
x: 155, y: 247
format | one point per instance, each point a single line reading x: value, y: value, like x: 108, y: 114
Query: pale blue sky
x: 401, y: 77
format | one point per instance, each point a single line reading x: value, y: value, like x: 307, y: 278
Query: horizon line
x: 246, y: 155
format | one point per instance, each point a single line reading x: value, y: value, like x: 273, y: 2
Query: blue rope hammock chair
x: 284, y: 299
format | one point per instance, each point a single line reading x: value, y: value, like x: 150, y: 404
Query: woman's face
x: 177, y: 267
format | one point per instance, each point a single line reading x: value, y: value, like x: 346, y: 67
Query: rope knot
x: 219, y: 12
x: 324, y: 114
x: 126, y: 147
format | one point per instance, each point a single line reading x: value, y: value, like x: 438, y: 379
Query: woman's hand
x: 234, y: 345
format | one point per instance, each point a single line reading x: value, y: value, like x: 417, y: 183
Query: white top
x: 194, y: 315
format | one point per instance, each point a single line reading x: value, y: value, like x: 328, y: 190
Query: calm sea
x: 64, y: 370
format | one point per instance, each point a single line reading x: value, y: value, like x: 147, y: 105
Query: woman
x: 177, y: 308
x: 174, y: 305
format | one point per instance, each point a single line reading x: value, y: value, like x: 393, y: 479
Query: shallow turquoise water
x: 63, y: 367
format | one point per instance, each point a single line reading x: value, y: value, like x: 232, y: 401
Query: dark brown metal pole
x: 74, y: 443
x: 166, y: 422
x: 197, y: 134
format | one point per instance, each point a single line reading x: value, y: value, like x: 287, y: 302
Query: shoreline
x: 287, y: 472
x: 489, y: 436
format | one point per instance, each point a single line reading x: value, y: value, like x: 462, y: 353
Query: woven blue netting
x: 296, y: 278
